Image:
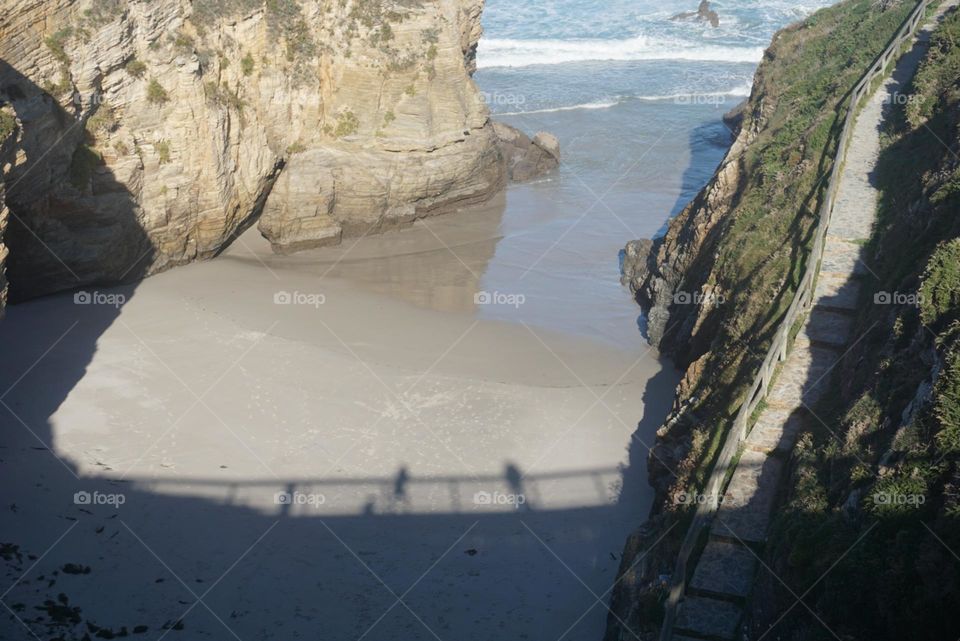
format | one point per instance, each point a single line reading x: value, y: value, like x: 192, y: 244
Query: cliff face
x: 718, y: 284
x: 884, y: 466
x: 155, y: 131
x: 4, y: 214
x: 8, y: 136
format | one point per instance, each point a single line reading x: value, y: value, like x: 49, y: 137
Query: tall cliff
x: 152, y: 132
x: 717, y: 285
x: 873, y: 494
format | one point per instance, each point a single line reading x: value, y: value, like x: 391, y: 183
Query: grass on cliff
x: 8, y: 123
x: 874, y: 499
x: 83, y: 163
x: 285, y: 20
x: 758, y: 253
x: 156, y: 94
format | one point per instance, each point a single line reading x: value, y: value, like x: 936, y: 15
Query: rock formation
x: 154, y: 132
x: 3, y: 250
x: 8, y: 130
x: 654, y: 269
x: 703, y: 12
x: 526, y: 158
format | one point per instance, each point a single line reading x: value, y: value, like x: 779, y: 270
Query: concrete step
x: 838, y: 292
x: 804, y: 376
x: 852, y: 218
x: 708, y: 618
x: 725, y: 571
x: 828, y: 328
x: 776, y: 430
x: 843, y: 257
x: 744, y: 515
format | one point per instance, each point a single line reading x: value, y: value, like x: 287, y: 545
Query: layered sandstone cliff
x: 153, y: 132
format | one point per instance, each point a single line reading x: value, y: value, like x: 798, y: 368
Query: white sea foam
x: 588, y: 105
x: 507, y: 52
x: 741, y: 91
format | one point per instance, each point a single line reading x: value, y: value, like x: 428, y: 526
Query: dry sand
x: 382, y: 399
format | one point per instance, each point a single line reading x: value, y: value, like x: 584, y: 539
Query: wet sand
x: 405, y: 422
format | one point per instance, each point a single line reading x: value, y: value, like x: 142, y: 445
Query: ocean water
x: 636, y: 100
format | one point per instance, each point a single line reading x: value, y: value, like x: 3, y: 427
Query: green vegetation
x: 8, y: 123
x: 937, y: 79
x: 296, y: 148
x: 136, y: 68
x: 56, y: 44
x: 947, y: 406
x: 163, y: 151
x: 100, y: 13
x: 856, y: 547
x: 874, y: 499
x: 247, y: 64
x: 57, y: 88
x: 156, y: 94
x: 376, y: 13
x: 940, y: 289
x: 285, y: 21
x: 222, y: 95
x: 103, y: 121
x: 758, y: 254
x: 347, y: 124
x: 183, y: 42
x: 82, y: 164
x: 207, y: 12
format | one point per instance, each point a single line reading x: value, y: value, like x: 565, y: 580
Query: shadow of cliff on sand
x: 108, y: 555
x: 379, y: 557
x: 59, y: 238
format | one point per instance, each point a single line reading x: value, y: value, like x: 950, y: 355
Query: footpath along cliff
x: 716, y: 287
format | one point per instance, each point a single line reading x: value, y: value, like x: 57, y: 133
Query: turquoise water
x: 637, y: 100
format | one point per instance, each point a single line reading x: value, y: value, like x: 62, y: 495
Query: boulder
x: 526, y: 158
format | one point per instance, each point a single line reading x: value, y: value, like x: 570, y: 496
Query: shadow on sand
x: 331, y: 558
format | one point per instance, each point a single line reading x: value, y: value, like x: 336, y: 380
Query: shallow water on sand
x: 547, y: 253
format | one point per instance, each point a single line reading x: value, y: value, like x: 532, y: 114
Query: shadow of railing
x: 401, y: 492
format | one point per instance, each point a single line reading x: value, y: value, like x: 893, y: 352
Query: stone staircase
x: 716, y: 595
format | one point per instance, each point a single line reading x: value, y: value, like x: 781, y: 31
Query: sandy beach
x: 338, y: 444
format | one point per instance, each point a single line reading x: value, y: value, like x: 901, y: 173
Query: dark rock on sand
x: 525, y: 158
x: 635, y: 256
